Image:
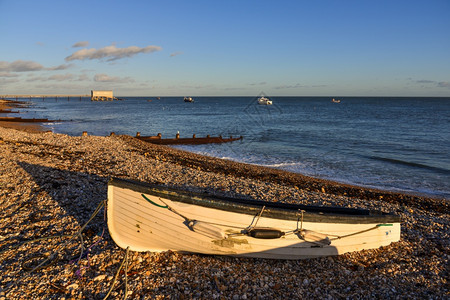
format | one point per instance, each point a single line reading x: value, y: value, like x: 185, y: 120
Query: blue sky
x: 209, y: 48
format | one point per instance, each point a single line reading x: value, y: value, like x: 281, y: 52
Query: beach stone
x: 50, y: 184
x: 100, y: 277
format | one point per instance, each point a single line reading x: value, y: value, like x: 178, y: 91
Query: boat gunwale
x: 276, y: 210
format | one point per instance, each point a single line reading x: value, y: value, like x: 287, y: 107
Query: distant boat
x: 336, y: 100
x: 188, y: 99
x: 147, y: 217
x: 264, y: 101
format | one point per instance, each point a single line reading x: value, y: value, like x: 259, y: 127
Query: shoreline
x: 52, y: 183
x: 297, y: 180
x: 264, y: 173
x: 256, y: 171
x: 5, y: 106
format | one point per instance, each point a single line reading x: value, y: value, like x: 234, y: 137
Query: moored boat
x: 188, y: 99
x: 264, y: 101
x: 146, y: 217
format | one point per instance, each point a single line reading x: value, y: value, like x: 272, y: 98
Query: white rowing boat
x: 154, y: 218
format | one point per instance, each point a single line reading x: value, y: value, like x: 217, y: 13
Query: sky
x: 226, y: 48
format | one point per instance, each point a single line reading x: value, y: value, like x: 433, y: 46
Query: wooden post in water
x: 84, y: 133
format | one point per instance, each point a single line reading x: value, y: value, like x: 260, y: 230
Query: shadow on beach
x: 77, y: 193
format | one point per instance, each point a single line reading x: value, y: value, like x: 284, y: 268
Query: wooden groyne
x: 25, y: 120
x: 157, y: 139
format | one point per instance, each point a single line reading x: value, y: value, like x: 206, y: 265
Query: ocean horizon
x: 399, y: 144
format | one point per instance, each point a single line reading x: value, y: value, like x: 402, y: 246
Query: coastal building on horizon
x: 102, y: 95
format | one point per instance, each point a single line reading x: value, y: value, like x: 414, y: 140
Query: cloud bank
x: 111, y: 53
x: 441, y: 84
x: 28, y: 66
x: 107, y: 78
x: 80, y: 44
x: 176, y: 53
x: 20, y: 66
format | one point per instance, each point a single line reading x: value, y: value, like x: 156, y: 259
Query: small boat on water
x: 188, y: 99
x: 336, y: 100
x: 146, y: 217
x: 264, y: 101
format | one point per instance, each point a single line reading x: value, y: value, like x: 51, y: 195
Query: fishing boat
x: 264, y: 101
x: 336, y: 100
x: 147, y: 217
x: 188, y: 99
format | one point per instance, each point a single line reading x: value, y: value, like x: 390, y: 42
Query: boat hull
x: 149, y: 218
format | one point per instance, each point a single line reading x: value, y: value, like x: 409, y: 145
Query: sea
x: 390, y: 143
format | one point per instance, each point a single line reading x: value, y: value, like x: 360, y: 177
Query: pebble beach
x: 53, y: 246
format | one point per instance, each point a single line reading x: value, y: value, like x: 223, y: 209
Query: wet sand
x: 5, y: 106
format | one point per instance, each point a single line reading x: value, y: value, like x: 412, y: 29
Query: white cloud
x: 80, y: 44
x: 432, y: 82
x: 62, y: 77
x: 425, y: 81
x: 28, y: 66
x: 176, y: 53
x: 298, y: 85
x: 281, y: 87
x: 60, y: 67
x: 5, y: 81
x: 111, y: 52
x: 20, y: 66
x: 58, y: 77
x: 82, y: 77
x: 107, y: 78
x: 7, y: 74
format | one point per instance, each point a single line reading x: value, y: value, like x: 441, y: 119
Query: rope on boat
x: 247, y: 231
x: 362, y: 231
x: 250, y: 227
x: 166, y: 206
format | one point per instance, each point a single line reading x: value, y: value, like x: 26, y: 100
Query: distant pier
x: 54, y: 96
x: 94, y: 96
